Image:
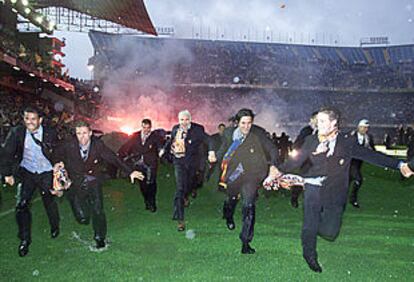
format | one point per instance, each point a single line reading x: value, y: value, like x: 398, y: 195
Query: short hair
x: 34, y: 110
x: 332, y: 112
x: 244, y: 113
x: 185, y: 113
x: 82, y: 123
x: 147, y: 121
x: 314, y: 114
x: 220, y: 125
x: 232, y: 119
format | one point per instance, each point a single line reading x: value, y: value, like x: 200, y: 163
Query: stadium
x: 142, y: 70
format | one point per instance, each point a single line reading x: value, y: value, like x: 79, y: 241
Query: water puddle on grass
x: 89, y: 244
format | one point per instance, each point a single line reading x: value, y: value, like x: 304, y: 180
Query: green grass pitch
x: 376, y: 242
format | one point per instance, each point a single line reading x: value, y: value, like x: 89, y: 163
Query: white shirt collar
x: 38, y: 132
x: 85, y: 147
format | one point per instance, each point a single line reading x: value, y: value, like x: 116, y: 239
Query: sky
x: 324, y: 22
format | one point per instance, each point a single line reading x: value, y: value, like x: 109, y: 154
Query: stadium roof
x: 129, y: 13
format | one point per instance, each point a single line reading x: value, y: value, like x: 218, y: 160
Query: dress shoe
x: 230, y: 224
x: 153, y: 209
x: 23, y: 248
x: 100, y: 244
x: 355, y: 204
x: 147, y: 206
x: 313, y: 264
x: 246, y: 249
x: 181, y: 226
x: 54, y: 233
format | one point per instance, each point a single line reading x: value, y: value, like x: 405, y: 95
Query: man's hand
x: 212, y: 157
x: 136, y: 175
x: 161, y: 153
x: 405, y: 170
x: 58, y: 166
x: 274, y: 172
x: 9, y: 180
x: 56, y: 193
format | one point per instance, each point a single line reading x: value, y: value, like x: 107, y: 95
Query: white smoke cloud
x: 143, y: 86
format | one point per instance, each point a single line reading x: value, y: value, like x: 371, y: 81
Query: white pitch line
x: 3, y: 214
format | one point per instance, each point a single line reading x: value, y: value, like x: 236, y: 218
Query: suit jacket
x: 255, y: 154
x: 370, y: 144
x: 195, y: 137
x: 216, y: 140
x: 69, y: 153
x: 358, y: 163
x: 304, y: 132
x: 300, y: 140
x: 149, y: 150
x: 336, y: 167
x: 13, y: 146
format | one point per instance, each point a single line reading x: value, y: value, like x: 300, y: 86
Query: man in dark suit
x: 362, y: 138
x: 284, y: 145
x: 297, y: 145
x: 216, y: 140
x: 305, y: 132
x: 185, y: 142
x: 82, y: 157
x: 31, y: 147
x: 248, y: 154
x: 141, y: 151
x: 330, y: 154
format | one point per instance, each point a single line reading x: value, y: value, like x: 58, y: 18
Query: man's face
x: 245, y: 124
x: 324, y: 124
x: 83, y: 134
x: 363, y: 129
x: 32, y: 121
x: 221, y: 129
x: 184, y: 121
x: 146, y: 128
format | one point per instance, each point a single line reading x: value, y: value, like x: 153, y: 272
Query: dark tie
x: 84, y: 155
x: 37, y: 141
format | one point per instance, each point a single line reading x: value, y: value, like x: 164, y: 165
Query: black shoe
x: 180, y: 226
x: 230, y: 224
x: 23, y: 248
x: 246, y: 249
x: 194, y: 194
x: 153, y: 209
x: 147, y: 206
x: 54, y: 233
x: 294, y: 203
x: 355, y: 204
x: 313, y: 264
x: 100, y: 244
x: 83, y: 221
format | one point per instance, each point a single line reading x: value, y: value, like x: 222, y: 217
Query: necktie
x: 84, y: 154
x: 144, y: 138
x: 37, y: 141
